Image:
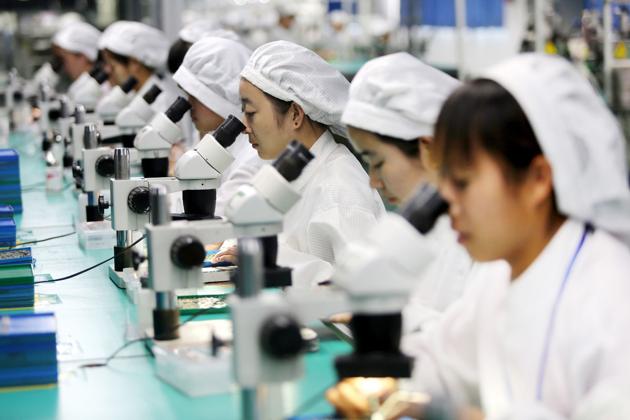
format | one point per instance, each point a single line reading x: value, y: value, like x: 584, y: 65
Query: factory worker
x: 534, y: 171
x: 187, y: 37
x: 289, y: 92
x: 285, y: 29
x: 388, y: 120
x: 138, y: 50
x: 210, y: 75
x: 190, y: 34
x: 77, y: 46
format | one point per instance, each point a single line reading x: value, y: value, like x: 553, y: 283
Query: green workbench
x: 93, y: 317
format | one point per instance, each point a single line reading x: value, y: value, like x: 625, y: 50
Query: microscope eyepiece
x: 177, y: 110
x: 129, y: 84
x: 425, y: 208
x: 227, y: 132
x: 152, y: 94
x: 293, y: 160
x: 100, y: 76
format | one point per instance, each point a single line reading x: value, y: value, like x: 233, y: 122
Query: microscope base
x: 116, y: 277
x: 95, y: 235
x: 186, y: 363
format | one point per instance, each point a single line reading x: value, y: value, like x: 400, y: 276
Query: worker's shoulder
x: 342, y: 163
x: 604, y: 268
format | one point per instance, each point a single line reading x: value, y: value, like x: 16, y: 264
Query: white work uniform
x: 337, y: 206
x: 441, y: 284
x: 246, y: 164
x: 501, y: 346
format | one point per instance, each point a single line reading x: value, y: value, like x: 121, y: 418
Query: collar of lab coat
x: 544, y: 275
x: 321, y: 149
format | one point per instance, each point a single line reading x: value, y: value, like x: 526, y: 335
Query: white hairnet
x: 579, y: 136
x: 79, y: 37
x: 210, y: 72
x: 136, y: 40
x: 340, y: 17
x: 397, y: 96
x: 290, y: 72
x: 194, y: 31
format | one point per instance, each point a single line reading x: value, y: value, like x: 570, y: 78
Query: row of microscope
x: 105, y: 138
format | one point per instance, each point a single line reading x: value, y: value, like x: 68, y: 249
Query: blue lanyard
x: 550, y: 327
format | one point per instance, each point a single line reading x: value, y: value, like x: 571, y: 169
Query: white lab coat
x: 337, y: 206
x: 488, y: 348
x: 441, y: 284
x: 246, y: 164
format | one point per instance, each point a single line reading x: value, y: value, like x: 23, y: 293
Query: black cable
x: 138, y: 340
x: 85, y: 270
x: 35, y: 185
x: 36, y: 241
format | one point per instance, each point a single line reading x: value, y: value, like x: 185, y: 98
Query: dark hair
x: 122, y: 59
x: 280, y: 107
x: 483, y: 114
x: 176, y: 54
x: 410, y: 149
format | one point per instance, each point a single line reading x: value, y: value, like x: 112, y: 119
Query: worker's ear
x: 297, y: 115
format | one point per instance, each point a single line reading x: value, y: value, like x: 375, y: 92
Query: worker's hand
x: 229, y: 255
x: 214, y: 246
x: 342, y: 318
x: 471, y: 413
x: 357, y: 398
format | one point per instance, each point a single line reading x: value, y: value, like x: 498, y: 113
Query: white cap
x: 79, y: 37
x: 340, y: 17
x: 579, y: 136
x: 194, y: 31
x: 290, y: 72
x: 136, y: 40
x: 397, y: 96
x: 210, y: 72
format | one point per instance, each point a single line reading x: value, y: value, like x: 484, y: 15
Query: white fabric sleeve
x: 446, y: 353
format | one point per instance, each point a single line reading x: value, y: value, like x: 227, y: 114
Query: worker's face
x: 74, y: 64
x: 491, y: 213
x: 268, y: 133
x: 394, y: 174
x: 118, y: 72
x: 204, y: 118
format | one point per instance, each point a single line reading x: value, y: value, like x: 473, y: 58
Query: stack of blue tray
x: 7, y: 226
x: 28, y: 353
x: 10, y: 189
x: 16, y: 279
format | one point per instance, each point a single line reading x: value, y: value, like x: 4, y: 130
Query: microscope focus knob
x: 188, y: 252
x: 105, y: 166
x: 138, y: 200
x: 280, y: 337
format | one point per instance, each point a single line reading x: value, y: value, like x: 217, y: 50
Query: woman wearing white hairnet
x: 210, y: 75
x: 77, y: 46
x: 138, y: 50
x: 288, y: 92
x: 534, y: 171
x: 388, y: 119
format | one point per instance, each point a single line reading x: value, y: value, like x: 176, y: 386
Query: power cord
x: 85, y: 270
x: 36, y: 241
x: 138, y: 340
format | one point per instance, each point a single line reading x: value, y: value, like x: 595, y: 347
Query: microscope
x: 176, y: 249
x: 197, y: 175
x: 154, y: 141
x: 373, y: 280
x: 87, y: 90
x: 110, y: 105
